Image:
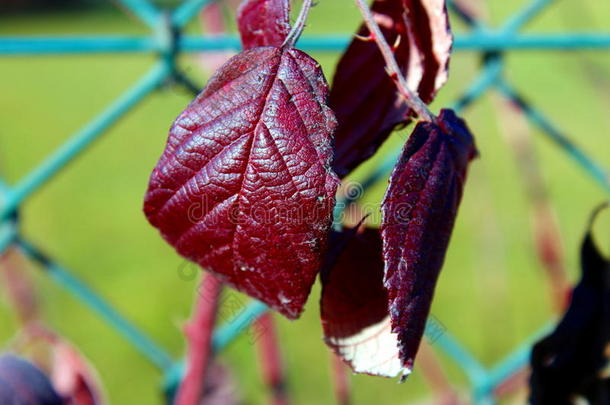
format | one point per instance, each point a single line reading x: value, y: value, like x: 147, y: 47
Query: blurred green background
x: 492, y: 294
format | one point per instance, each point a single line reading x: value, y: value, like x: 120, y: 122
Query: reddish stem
x: 212, y: 19
x: 432, y: 371
x: 341, y: 380
x: 550, y: 253
x: 270, y: 359
x: 410, y: 98
x: 19, y: 286
x: 299, y: 25
x: 545, y: 228
x: 198, y: 332
x: 512, y: 384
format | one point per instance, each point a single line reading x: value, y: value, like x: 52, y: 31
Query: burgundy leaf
x: 354, y: 306
x: 419, y: 211
x: 244, y: 186
x: 365, y: 99
x: 263, y: 22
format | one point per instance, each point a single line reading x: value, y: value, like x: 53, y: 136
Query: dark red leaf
x: 354, y: 305
x: 419, y: 210
x: 570, y: 361
x: 23, y: 383
x: 263, y: 22
x: 244, y: 186
x: 363, y: 96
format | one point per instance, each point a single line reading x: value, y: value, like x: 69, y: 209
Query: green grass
x: 492, y: 293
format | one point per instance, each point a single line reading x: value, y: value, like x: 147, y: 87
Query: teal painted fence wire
x: 17, y: 46
x: 71, y: 149
x: 60, y: 275
x: 489, y: 42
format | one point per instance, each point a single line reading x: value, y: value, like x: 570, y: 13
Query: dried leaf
x: 364, y: 98
x: 419, y: 210
x: 73, y: 377
x: 569, y: 362
x: 23, y: 383
x: 244, y: 186
x: 263, y: 22
x: 354, y: 305
x: 220, y: 387
x: 428, y: 26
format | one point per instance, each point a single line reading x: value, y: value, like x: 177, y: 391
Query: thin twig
x: 436, y: 378
x: 547, y: 236
x: 270, y: 359
x: 19, y: 286
x: 411, y: 99
x: 299, y: 25
x: 199, y: 335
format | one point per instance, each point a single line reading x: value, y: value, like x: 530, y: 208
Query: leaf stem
x: 410, y: 98
x: 299, y: 25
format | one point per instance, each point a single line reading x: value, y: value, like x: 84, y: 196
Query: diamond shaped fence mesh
x: 167, y: 41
